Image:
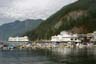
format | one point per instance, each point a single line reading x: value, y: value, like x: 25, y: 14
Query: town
x: 64, y: 39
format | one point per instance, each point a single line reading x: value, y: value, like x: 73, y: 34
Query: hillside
x: 17, y: 28
x: 78, y: 17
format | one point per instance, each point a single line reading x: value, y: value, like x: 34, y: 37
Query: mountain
x: 78, y: 17
x: 17, y: 28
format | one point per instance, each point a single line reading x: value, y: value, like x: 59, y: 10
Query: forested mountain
x: 78, y: 17
x: 17, y: 28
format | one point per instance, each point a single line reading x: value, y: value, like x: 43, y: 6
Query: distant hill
x: 17, y: 28
x: 78, y: 17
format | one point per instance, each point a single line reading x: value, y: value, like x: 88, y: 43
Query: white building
x: 66, y: 37
x: 94, y: 36
x: 17, y: 41
x: 25, y: 38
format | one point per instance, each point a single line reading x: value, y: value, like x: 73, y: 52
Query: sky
x: 11, y: 10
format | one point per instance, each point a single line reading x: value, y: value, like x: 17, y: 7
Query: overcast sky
x: 11, y: 10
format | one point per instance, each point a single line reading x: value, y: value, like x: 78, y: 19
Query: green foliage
x: 47, y: 28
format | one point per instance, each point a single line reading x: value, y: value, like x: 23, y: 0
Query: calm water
x: 63, y: 56
x: 23, y: 57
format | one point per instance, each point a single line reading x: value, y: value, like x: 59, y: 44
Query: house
x: 66, y: 37
x: 93, y: 39
x: 18, y: 40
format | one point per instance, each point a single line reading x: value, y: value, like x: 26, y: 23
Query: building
x: 66, y: 37
x: 18, y: 40
x: 25, y: 38
x: 93, y: 39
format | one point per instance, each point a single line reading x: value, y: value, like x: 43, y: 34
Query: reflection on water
x: 59, y: 56
x: 22, y: 57
x: 77, y: 56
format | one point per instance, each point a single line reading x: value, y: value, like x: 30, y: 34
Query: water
x: 59, y: 56
x: 22, y: 57
x: 77, y: 56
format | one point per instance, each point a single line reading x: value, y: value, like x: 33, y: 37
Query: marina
x: 64, y: 48
x: 63, y: 40
x: 69, y: 50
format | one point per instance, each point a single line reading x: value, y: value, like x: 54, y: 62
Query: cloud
x: 33, y: 9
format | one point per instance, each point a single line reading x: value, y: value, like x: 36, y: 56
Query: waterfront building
x: 93, y: 39
x: 66, y: 37
x: 25, y: 38
x: 18, y: 40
